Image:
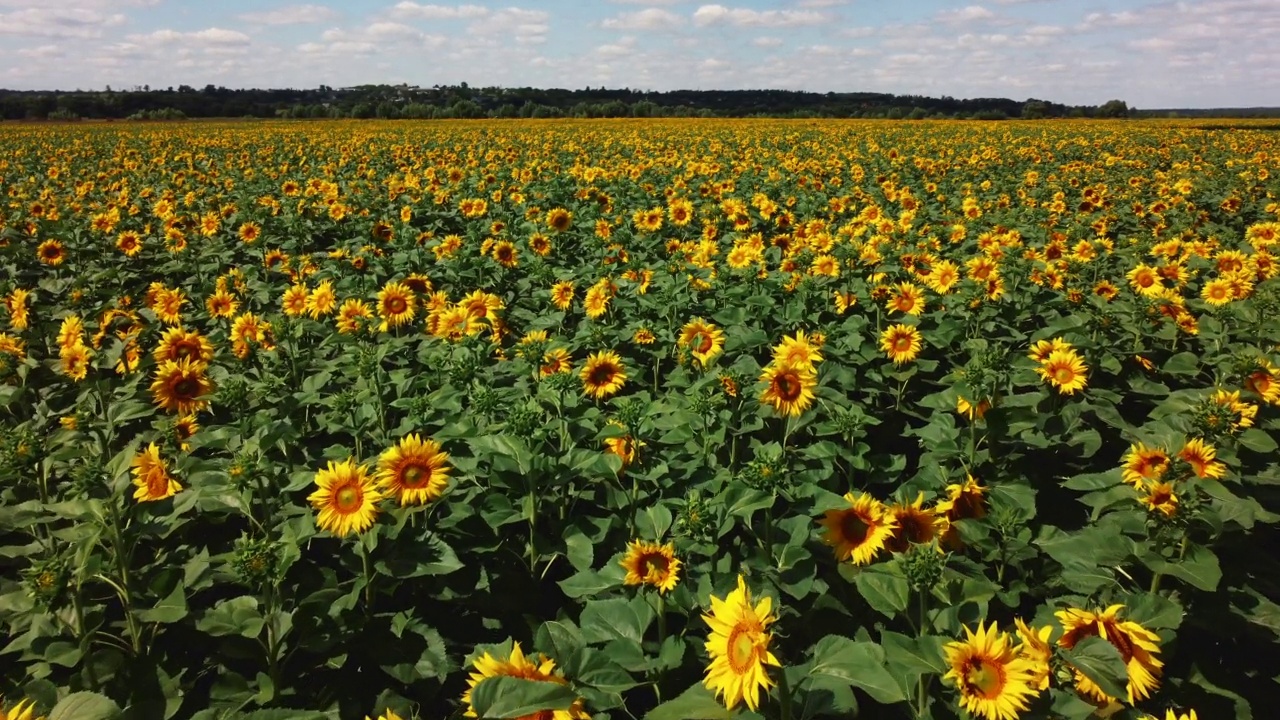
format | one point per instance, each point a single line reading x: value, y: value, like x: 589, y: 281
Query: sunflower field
x: 676, y: 420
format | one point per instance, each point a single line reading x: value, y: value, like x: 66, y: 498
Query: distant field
x: 667, y: 419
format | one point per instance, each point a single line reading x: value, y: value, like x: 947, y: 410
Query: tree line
x: 463, y: 101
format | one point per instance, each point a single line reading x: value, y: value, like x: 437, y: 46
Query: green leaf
x: 1259, y: 441
x: 860, y: 664
x: 1184, y: 363
x: 1199, y: 567
x: 590, y: 582
x: 1101, y: 663
x: 884, y: 587
x: 237, y: 616
x: 510, y: 697
x: 85, y: 706
x: 696, y: 703
x: 615, y: 619
x: 1154, y: 611
x: 171, y: 609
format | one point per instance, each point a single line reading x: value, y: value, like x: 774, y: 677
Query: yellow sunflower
x: 414, y: 471
x: 1034, y: 646
x: 1137, y: 645
x: 26, y: 710
x: 180, y: 386
x: 559, y: 219
x: 739, y: 647
x: 151, y: 476
x: 859, y: 532
x: 1143, y: 465
x: 396, y: 305
x: 75, y: 361
x: 516, y: 665
x: 562, y: 295
x: 554, y: 362
x: 908, y: 299
x: 651, y: 564
x: 788, y: 388
x: 179, y: 344
x: 350, y: 315
x: 1161, y: 498
x: 603, y: 374
x: 1200, y: 456
x: 322, y: 301
x: 1065, y: 370
x: 345, y: 497
x: 993, y: 680
x: 797, y: 350
x: 901, y: 343
x: 703, y: 339
x: 916, y: 524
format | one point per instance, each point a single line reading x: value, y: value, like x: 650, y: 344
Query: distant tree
x: 1035, y: 110
x: 1114, y: 109
x: 362, y: 111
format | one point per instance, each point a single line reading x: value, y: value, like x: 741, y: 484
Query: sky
x: 1193, y: 53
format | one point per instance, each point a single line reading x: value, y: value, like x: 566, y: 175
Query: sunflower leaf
x: 860, y: 664
x: 85, y: 706
x: 510, y: 697
x: 1101, y: 662
x: 696, y: 703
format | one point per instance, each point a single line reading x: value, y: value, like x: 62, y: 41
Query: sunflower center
x: 985, y: 679
x: 1063, y: 374
x: 902, y: 344
x: 741, y: 650
x: 347, y: 499
x: 601, y: 374
x: 654, y: 565
x: 414, y: 476
x: 157, y: 483
x: 788, y: 386
x: 396, y: 305
x: 186, y: 388
x: 854, y: 528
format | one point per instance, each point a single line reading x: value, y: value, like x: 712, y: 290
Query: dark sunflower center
x: 414, y: 476
x: 396, y: 306
x: 186, y: 388
x: 157, y: 484
x: 902, y: 344
x: 654, y: 565
x: 854, y: 528
x: 788, y: 386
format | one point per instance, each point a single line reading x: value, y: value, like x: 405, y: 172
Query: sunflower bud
x: 47, y: 581
x: 696, y: 521
x: 923, y: 566
x: 257, y: 562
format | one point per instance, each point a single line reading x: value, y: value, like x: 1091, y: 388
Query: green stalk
x: 784, y: 694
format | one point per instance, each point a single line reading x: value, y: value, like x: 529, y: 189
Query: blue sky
x: 1188, y: 53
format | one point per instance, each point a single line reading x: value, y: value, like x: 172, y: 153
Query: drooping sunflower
x: 350, y: 315
x: 1064, y: 370
x: 973, y: 411
x: 603, y: 374
x: 703, y: 339
x: 1200, y: 455
x: 901, y: 343
x: 651, y: 564
x: 26, y: 710
x: 993, y: 680
x: 916, y: 524
x: 414, y: 471
x: 396, y: 305
x: 739, y: 647
x: 346, y: 498
x: 797, y: 349
x: 180, y: 386
x: 179, y: 344
x: 859, y: 532
x: 1137, y: 645
x: 75, y: 361
x: 517, y: 665
x: 151, y: 476
x: 788, y: 388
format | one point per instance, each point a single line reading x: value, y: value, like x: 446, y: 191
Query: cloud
x: 525, y: 26
x: 292, y: 15
x: 969, y: 13
x: 767, y: 42
x: 647, y: 19
x: 62, y: 22
x: 209, y: 36
x: 745, y: 17
x: 413, y: 11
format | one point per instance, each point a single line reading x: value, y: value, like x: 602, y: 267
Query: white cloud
x: 413, y: 11
x: 767, y: 42
x: 745, y: 17
x: 59, y: 22
x: 292, y: 15
x: 525, y: 26
x: 647, y: 19
x: 969, y: 13
x: 209, y: 36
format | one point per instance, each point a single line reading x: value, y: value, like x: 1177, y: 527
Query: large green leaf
x: 1101, y: 663
x: 861, y: 664
x: 510, y: 697
x: 696, y: 703
x: 85, y: 706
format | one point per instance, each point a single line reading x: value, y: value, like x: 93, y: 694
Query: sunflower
x: 1144, y: 465
x: 943, y: 277
x: 1242, y: 413
x: 1138, y: 648
x: 322, y: 301
x: 26, y: 710
x: 178, y: 344
x: 129, y: 243
x: 559, y: 219
x: 562, y: 295
x: 1034, y: 646
x: 1042, y: 349
x: 1106, y: 290
x: 51, y: 252
x: 396, y: 305
x: 506, y: 254
x: 908, y: 299
x: 603, y: 374
x: 414, y: 471
x: 389, y: 714
x: 798, y: 350
x: 1161, y: 498
x: 350, y: 315
x: 221, y: 304
x: 1065, y: 370
x: 180, y: 385
x: 554, y: 362
x: 915, y: 524
x: 901, y: 343
x: 1200, y: 456
x: 993, y: 680
x: 644, y: 336
x: 75, y: 361
x: 651, y: 564
x: 346, y: 498
x: 625, y: 447
x: 294, y: 301
x: 964, y: 501
x: 151, y: 476
x: 15, y: 304
x: 516, y: 665
x: 10, y: 345
x: 739, y: 647
x: 1217, y: 292
x: 249, y: 232
x: 71, y: 331
x: 859, y: 532
x: 597, y: 300
x: 183, y: 429
x: 788, y: 388
x: 703, y: 339
x: 971, y: 410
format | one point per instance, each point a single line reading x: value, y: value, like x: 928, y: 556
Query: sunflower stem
x: 368, y: 578
x: 784, y: 694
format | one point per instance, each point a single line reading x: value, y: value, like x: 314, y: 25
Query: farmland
x: 666, y: 419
